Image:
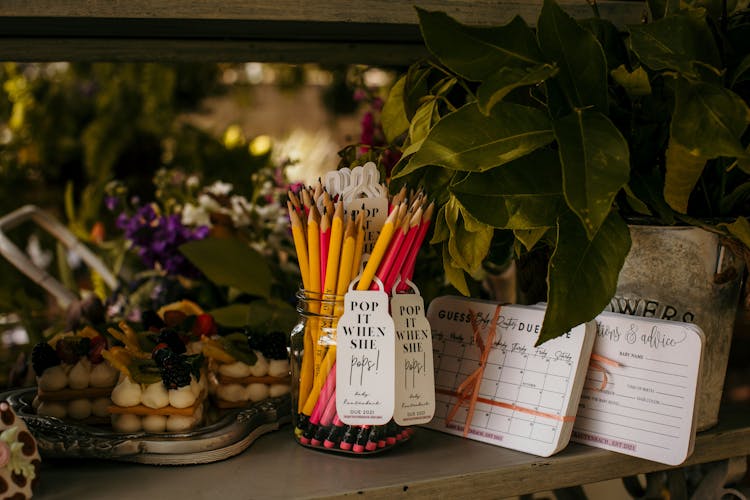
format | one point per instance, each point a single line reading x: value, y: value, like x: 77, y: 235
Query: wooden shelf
x: 428, y: 466
x: 383, y: 32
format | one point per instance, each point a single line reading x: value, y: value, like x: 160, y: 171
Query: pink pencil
x: 328, y: 389
x: 408, y: 268
x: 390, y: 255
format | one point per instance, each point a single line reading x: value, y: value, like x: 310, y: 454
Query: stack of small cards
x: 528, y: 395
x: 640, y: 401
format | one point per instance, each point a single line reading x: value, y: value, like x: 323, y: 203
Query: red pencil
x: 404, y: 251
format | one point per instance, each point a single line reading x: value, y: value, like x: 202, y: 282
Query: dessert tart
x: 19, y: 455
x: 247, y: 367
x: 159, y: 390
x: 74, y: 381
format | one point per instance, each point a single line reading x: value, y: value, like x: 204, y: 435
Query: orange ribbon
x: 509, y: 406
x: 597, y: 363
x: 469, y: 388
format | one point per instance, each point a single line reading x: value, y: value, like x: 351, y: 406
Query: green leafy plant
x: 562, y: 133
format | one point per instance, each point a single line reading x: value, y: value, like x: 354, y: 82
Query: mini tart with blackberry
x: 247, y: 367
x: 159, y: 391
x: 74, y: 381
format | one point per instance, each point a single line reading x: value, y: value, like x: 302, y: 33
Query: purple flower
x: 111, y: 202
x: 157, y: 238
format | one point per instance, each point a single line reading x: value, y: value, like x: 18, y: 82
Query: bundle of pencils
x: 329, y: 245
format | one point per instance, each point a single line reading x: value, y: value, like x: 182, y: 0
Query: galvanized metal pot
x: 685, y: 274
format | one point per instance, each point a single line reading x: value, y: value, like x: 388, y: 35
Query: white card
x: 528, y: 395
x: 365, y: 359
x: 646, y: 408
x: 415, y: 382
x: 376, y: 212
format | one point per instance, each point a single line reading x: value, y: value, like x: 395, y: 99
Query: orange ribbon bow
x: 597, y: 364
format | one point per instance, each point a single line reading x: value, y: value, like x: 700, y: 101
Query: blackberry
x: 172, y: 339
x: 83, y: 346
x: 43, y: 356
x: 255, y: 340
x: 274, y: 345
x: 160, y: 353
x: 175, y: 375
x: 150, y: 319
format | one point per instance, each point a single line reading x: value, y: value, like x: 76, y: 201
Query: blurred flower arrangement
x: 195, y: 241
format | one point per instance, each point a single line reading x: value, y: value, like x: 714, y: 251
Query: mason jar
x: 313, y: 365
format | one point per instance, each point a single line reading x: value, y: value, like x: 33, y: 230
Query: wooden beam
x: 334, y: 31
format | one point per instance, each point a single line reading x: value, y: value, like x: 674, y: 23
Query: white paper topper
x: 415, y: 377
x: 365, y: 359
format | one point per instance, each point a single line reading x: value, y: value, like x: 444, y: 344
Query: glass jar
x: 313, y: 364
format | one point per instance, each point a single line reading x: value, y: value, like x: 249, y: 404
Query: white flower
x: 195, y: 216
x: 192, y: 182
x: 208, y: 203
x: 219, y: 188
x: 240, y: 210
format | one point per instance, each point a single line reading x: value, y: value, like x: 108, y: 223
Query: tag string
x: 598, y: 363
x: 468, y: 391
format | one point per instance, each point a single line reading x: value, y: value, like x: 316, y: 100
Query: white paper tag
x: 415, y: 377
x: 365, y: 359
x: 376, y: 211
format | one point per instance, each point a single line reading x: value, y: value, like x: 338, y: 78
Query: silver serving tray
x: 230, y: 434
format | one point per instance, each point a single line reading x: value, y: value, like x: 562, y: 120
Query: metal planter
x: 685, y: 274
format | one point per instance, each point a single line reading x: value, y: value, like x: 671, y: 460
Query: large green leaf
x: 234, y: 315
x: 422, y: 121
x: 476, y: 53
x: 230, y: 262
x: 526, y: 193
x: 415, y: 88
x: 507, y: 79
x: 661, y: 8
x: 634, y: 82
x: 454, y: 274
x: 741, y: 72
x: 583, y: 66
x: 709, y: 120
x: 683, y: 169
x: 530, y: 237
x: 648, y: 186
x: 595, y: 164
x: 611, y: 39
x: 676, y: 42
x: 271, y: 314
x: 393, y: 116
x: 470, y: 141
x: 583, y: 273
x: 469, y: 239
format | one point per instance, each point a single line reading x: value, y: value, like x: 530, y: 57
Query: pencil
x: 408, y: 267
x: 325, y: 244
x: 390, y: 256
x: 359, y: 246
x: 381, y: 245
x: 347, y: 257
x: 334, y: 249
x: 404, y: 250
x: 300, y: 244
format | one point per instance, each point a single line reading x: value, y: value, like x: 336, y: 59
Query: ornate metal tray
x: 227, y: 434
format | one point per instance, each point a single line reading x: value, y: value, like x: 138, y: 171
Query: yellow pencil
x: 313, y: 249
x: 347, y: 257
x: 307, y: 370
x: 300, y: 245
x: 334, y: 249
x: 359, y: 245
x: 381, y: 245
